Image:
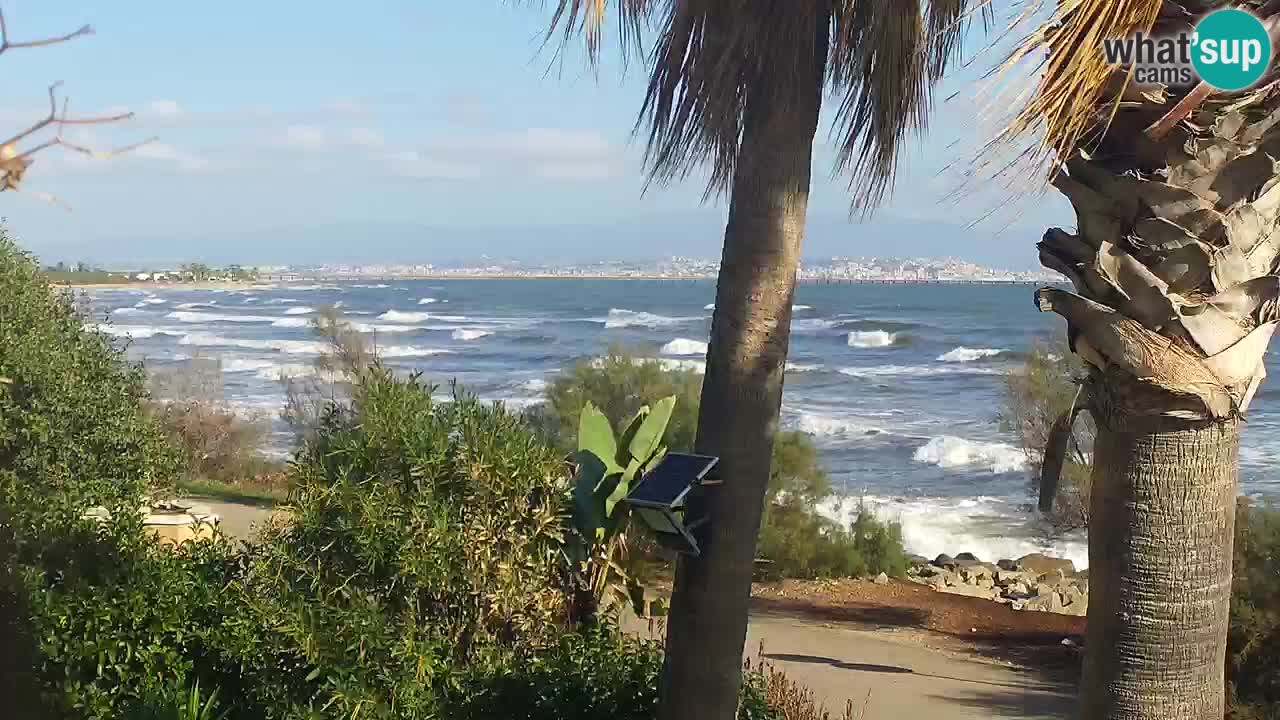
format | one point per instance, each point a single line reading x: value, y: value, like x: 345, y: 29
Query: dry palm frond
x: 711, y: 58
x: 1064, y: 108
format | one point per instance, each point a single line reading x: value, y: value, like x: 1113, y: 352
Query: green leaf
x: 595, y: 435
x: 624, y: 442
x: 622, y: 488
x: 591, y: 487
x: 649, y: 436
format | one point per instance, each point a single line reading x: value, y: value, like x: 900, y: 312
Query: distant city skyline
x: 409, y: 130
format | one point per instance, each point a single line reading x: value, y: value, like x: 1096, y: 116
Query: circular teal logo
x: 1231, y: 49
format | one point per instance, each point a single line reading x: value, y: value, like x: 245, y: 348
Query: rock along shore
x: 1033, y: 582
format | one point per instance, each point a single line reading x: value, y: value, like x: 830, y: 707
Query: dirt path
x: 844, y: 651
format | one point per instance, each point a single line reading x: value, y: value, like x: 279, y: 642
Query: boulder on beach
x: 967, y: 556
x: 944, y: 561
x: 1041, y: 564
x: 882, y: 579
x: 1007, y: 564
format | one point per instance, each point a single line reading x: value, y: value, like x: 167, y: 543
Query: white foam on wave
x: 803, y: 367
x: 405, y: 351
x: 384, y: 328
x: 622, y: 318
x: 300, y: 310
x: 188, y: 316
x: 709, y: 306
x: 196, y: 305
x: 684, y: 346
x: 379, y: 286
x: 871, y: 338
x: 151, y: 300
x: 128, y: 311
x: 800, y: 308
x: 308, y: 288
x: 293, y: 347
x: 830, y: 426
x: 241, y: 364
x: 398, y: 316
x: 812, y: 325
x: 470, y: 334
x: 427, y: 301
x: 948, y: 451
x: 281, y: 301
x: 137, y: 332
x: 991, y: 528
x: 536, y: 385
x: 964, y: 354
x: 917, y: 371
x: 293, y: 322
x: 671, y: 365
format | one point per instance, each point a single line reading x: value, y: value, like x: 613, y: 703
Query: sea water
x: 899, y: 385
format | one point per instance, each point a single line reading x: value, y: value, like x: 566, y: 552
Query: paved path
x: 841, y: 662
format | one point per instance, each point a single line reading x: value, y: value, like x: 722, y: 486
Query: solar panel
x: 668, y: 482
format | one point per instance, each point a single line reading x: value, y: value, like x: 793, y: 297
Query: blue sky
x: 408, y: 131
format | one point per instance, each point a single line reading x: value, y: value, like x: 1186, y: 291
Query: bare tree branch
x: 14, y: 162
x: 5, y: 44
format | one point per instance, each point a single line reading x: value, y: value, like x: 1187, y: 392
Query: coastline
x: 144, y: 285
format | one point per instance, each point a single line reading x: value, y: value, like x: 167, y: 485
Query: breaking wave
x: 917, y: 370
x: 398, y: 316
x: 964, y: 354
x: 188, y: 316
x: 428, y: 301
x: 872, y: 338
x: 821, y: 425
x: 684, y: 346
x: 465, y: 334
x: 621, y: 318
x: 294, y: 322
x: 127, y: 311
x: 300, y: 310
x: 948, y: 451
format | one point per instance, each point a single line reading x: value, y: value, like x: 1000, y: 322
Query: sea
x: 900, y: 386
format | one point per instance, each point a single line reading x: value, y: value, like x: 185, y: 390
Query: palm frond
x: 712, y: 58
x: 1065, y: 107
x: 588, y: 18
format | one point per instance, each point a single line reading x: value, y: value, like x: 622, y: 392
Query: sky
x: 409, y: 131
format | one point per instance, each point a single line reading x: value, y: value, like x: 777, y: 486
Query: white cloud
x: 365, y: 137
x: 164, y: 108
x: 416, y: 166
x: 307, y: 137
x: 573, y: 171
x: 165, y: 152
x: 547, y: 143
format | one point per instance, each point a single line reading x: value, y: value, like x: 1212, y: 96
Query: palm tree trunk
x: 742, y: 395
x: 1160, y: 550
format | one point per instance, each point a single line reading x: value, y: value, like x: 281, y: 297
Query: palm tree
x: 1173, y: 263
x: 736, y: 86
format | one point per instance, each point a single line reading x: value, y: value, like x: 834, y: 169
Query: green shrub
x: 1254, y: 664
x: 425, y: 537
x: 602, y: 674
x: 72, y: 427
x: 1036, y: 394
x: 793, y: 537
x: 799, y: 543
